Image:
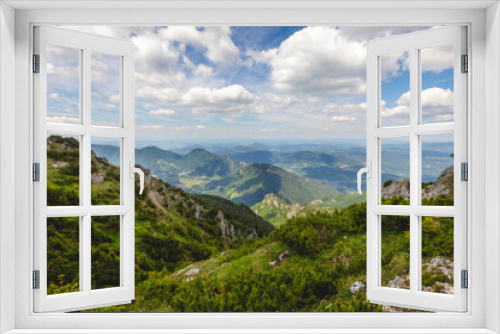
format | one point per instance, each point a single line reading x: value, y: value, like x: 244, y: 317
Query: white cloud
x: 158, y: 94
x: 217, y: 42
x: 63, y: 119
x: 163, y: 112
x: 151, y: 127
x: 115, y: 98
x: 343, y: 119
x: 437, y: 59
x: 229, y: 99
x: 200, y: 127
x: 54, y: 96
x: 318, y: 61
x: 344, y: 108
x: 436, y: 104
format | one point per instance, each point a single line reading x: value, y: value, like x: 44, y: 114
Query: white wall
x: 7, y: 162
x: 492, y: 166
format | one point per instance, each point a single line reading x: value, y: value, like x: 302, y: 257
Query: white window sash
x: 85, y: 298
x: 415, y: 297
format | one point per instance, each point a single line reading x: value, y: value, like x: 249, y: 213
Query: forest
x: 202, y: 253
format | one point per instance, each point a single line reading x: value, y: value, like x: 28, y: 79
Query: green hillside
x: 251, y: 183
x: 173, y: 228
x: 277, y: 211
x: 201, y: 253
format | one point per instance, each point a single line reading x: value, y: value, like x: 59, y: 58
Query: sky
x: 236, y: 83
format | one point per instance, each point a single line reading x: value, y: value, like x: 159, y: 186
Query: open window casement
x: 70, y: 67
x: 421, y: 54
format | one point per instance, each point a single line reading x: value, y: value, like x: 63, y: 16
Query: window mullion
x: 414, y: 171
x: 86, y: 195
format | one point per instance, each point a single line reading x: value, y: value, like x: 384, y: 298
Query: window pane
x: 436, y: 99
x: 63, y: 255
x: 437, y: 254
x: 437, y: 169
x: 395, y: 252
x: 395, y: 161
x: 63, y: 85
x: 105, y: 252
x: 106, y: 89
x: 395, y: 89
x: 105, y: 171
x: 63, y: 170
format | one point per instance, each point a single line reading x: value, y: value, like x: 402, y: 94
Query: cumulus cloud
x: 151, y: 127
x: 437, y: 59
x: 347, y: 108
x: 318, y: 61
x: 116, y: 98
x: 53, y: 96
x: 63, y: 119
x: 163, y: 112
x: 343, y: 119
x: 436, y: 104
x: 217, y: 42
x: 200, y: 127
x: 228, y: 99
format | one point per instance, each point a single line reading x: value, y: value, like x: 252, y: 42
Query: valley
x: 205, y: 253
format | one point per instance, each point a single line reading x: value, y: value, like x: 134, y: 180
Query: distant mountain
x: 252, y: 182
x: 172, y: 227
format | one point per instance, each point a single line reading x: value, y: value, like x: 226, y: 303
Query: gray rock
x: 357, y: 287
x: 397, y: 283
x: 284, y: 255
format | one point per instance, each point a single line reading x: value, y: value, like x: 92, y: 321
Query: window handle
x: 139, y: 171
x: 368, y: 171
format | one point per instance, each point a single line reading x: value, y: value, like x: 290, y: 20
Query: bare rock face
x: 397, y: 188
x: 443, y: 186
x: 284, y: 255
x: 440, y: 266
x: 227, y: 232
x: 97, y: 177
x: 357, y: 287
x: 199, y: 211
x: 273, y: 263
x: 397, y: 283
x: 147, y: 176
x: 388, y: 308
x: 253, y: 235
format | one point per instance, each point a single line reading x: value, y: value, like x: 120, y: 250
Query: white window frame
x: 413, y: 43
x: 484, y: 49
x: 86, y: 44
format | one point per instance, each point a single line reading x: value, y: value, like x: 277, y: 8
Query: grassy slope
x: 277, y: 212
x: 251, y: 183
x: 169, y: 235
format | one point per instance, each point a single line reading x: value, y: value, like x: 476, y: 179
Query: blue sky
x: 251, y: 82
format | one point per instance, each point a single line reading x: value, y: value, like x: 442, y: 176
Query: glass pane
x: 63, y: 255
x: 395, y: 89
x: 395, y: 252
x: 63, y: 85
x: 437, y: 169
x: 105, y: 171
x: 106, y: 89
x: 436, y: 98
x: 395, y: 177
x: 105, y: 252
x: 63, y: 170
x: 437, y: 254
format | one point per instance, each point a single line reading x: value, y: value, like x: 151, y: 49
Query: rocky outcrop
x: 442, y: 187
x: 397, y: 188
x: 227, y: 231
x: 357, y: 287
